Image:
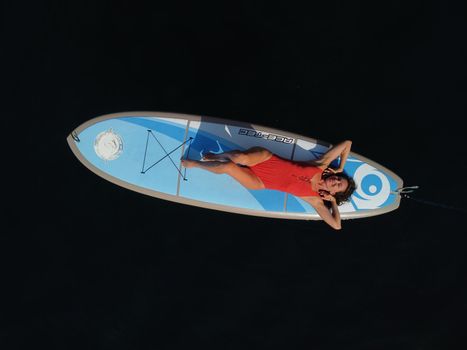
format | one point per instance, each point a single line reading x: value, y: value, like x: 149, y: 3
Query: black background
x: 87, y: 264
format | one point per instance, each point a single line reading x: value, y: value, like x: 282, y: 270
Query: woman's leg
x: 250, y: 157
x: 243, y: 175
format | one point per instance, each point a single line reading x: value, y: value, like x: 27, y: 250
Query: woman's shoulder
x: 313, y: 200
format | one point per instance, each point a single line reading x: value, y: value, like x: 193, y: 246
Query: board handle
x: 75, y: 137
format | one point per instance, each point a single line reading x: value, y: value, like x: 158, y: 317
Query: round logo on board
x: 108, y: 145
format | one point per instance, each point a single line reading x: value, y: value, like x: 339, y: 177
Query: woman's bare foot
x: 188, y: 163
x: 209, y: 156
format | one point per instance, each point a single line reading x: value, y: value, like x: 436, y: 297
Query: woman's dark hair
x: 342, y: 197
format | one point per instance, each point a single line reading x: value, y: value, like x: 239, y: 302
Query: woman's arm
x: 330, y: 216
x: 341, y: 149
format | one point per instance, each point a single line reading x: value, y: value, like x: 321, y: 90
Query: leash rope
x: 403, y: 192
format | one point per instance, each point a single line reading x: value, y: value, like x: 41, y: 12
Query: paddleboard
x: 142, y: 151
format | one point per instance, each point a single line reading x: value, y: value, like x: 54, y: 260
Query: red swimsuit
x: 288, y: 176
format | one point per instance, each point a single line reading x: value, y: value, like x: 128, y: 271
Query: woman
x: 313, y: 181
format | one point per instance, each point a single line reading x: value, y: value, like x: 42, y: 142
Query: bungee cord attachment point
x: 404, y: 190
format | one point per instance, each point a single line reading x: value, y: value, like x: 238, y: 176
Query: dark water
x: 90, y: 265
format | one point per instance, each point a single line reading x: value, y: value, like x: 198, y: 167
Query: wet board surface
x: 141, y: 151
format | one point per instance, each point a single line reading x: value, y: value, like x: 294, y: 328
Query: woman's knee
x: 259, y: 151
x: 239, y: 158
x: 256, y: 149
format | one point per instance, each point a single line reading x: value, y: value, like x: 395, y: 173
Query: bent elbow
x: 337, y: 227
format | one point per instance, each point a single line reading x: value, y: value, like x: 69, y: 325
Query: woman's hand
x: 330, y: 171
x: 326, y: 196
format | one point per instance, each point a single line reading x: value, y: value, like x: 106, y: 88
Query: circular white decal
x: 373, y: 187
x: 108, y: 145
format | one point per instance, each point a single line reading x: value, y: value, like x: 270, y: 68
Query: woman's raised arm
x: 330, y: 216
x: 341, y: 150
